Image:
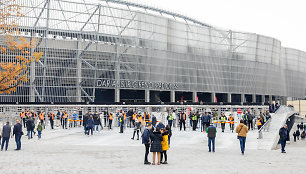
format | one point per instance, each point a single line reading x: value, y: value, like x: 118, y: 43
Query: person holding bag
x: 242, y: 131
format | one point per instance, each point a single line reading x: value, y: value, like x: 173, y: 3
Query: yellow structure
x: 299, y: 106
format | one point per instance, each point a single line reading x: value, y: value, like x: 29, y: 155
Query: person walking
x: 146, y: 141
x: 121, y: 120
x: 110, y: 120
x: 283, y: 137
x: 41, y: 116
x: 170, y: 119
x: 136, y: 129
x: 259, y: 122
x: 154, y: 121
x: 223, y: 120
x: 182, y: 119
x: 206, y: 121
x: 156, y: 147
x: 242, y: 131
x: 96, y: 119
x: 23, y: 118
x: 17, y: 132
x: 6, y: 134
x: 51, y: 119
x: 30, y: 128
x: 85, y: 120
x: 211, y: 134
x: 194, y: 121
x: 39, y: 130
x: 90, y: 125
x: 231, y: 122
x: 165, y: 146
x: 294, y: 136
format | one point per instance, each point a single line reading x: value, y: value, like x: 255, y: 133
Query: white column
x: 117, y: 95
x: 194, y: 96
x: 229, y: 97
x: 270, y: 99
x: 172, y: 96
x: 147, y: 95
x: 242, y: 98
x: 213, y: 97
x: 254, y: 98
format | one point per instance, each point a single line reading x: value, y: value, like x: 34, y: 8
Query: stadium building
x: 105, y: 51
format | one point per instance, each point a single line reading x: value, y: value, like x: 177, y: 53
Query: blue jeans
x: 242, y: 143
x: 30, y: 132
x: 18, y: 141
x: 6, y: 141
x: 39, y: 134
x: 211, y: 140
x: 96, y: 128
x: 283, y: 144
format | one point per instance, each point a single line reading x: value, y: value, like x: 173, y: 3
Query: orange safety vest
x: 259, y: 123
x: 124, y: 116
x: 110, y: 117
x: 41, y: 116
x: 33, y: 113
x: 134, y: 116
x: 65, y: 115
x: 183, y: 116
x: 139, y: 118
x: 51, y: 115
x: 231, y: 119
x: 22, y: 114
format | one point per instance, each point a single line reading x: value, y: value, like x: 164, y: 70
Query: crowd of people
x: 155, y: 135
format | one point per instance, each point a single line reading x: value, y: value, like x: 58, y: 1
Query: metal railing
x: 265, y: 127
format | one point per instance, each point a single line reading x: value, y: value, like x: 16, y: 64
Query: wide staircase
x: 268, y: 135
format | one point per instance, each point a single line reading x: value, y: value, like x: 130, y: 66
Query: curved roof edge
x: 158, y: 10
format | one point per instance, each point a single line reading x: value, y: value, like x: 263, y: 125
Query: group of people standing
x: 6, y: 133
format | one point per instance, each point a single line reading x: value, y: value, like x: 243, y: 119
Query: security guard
x: 231, y: 120
x: 134, y: 117
x: 42, y: 118
x: 182, y: 118
x: 65, y: 117
x: 194, y: 118
x: 223, y: 120
x: 110, y: 118
x: 51, y: 119
x: 23, y: 118
x: 170, y: 119
x: 121, y: 120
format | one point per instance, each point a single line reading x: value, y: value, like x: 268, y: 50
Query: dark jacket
x: 146, y: 136
x: 283, y: 134
x: 154, y: 120
x: 211, y: 131
x: 206, y: 119
x: 156, y: 139
x: 90, y: 123
x: 17, y: 129
x: 298, y: 133
x: 29, y: 124
x: 6, y: 131
x: 96, y: 119
x: 161, y: 125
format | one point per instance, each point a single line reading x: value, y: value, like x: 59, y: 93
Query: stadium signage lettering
x: 135, y: 84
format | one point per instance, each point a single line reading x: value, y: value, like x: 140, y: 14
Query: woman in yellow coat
x: 165, y: 145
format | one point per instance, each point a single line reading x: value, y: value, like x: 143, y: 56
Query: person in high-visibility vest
x: 51, y: 119
x: 223, y: 120
x: 41, y: 116
x: 121, y: 120
x: 259, y: 122
x: 134, y: 117
x: 64, y: 119
x: 136, y: 129
x: 147, y: 117
x: 110, y: 120
x: 194, y: 121
x: 245, y: 118
x: 182, y: 118
x: 170, y: 119
x: 23, y: 118
x: 231, y: 120
x: 33, y: 115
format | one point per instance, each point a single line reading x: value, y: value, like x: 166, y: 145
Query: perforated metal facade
x: 112, y: 44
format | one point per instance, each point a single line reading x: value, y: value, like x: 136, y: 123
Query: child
x: 39, y: 130
x: 165, y: 145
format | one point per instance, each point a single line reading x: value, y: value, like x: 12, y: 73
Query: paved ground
x: 70, y: 151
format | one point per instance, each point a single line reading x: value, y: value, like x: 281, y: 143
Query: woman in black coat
x: 156, y: 147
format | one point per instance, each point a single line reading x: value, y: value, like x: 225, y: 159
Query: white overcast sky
x: 284, y: 20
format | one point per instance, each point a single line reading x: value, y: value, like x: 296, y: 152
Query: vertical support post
x: 253, y: 98
x: 270, y: 99
x: 79, y: 69
x: 172, y: 96
x: 229, y: 97
x: 32, y: 76
x: 213, y: 97
x: 242, y: 98
x: 263, y: 98
x: 147, y: 95
x: 194, y: 96
x: 117, y: 95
